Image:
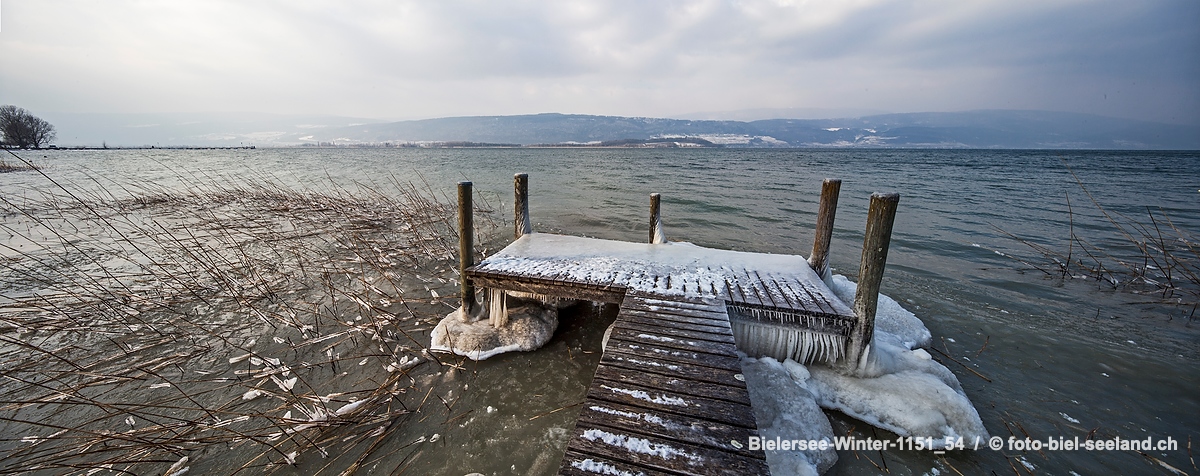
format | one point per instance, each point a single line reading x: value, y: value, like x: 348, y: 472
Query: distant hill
x: 972, y: 129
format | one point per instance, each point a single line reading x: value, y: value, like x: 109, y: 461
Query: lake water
x: 1065, y: 358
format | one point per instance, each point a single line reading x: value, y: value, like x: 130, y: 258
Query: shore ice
x: 788, y: 411
x: 899, y: 389
x: 890, y: 317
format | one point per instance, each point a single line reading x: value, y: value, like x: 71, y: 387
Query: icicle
x: 497, y: 308
x: 545, y: 299
x: 786, y: 342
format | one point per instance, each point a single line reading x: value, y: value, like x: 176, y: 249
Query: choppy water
x: 1065, y: 358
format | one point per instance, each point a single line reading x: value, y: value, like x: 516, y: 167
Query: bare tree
x: 20, y: 129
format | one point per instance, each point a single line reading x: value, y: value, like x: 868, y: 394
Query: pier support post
x: 656, y: 232
x: 466, y: 246
x: 521, y: 206
x: 880, y: 218
x: 819, y: 259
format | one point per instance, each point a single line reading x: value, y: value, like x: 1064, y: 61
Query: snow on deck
x: 604, y: 269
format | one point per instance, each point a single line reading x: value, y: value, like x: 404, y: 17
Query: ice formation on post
x: 659, y: 236
x: 890, y: 317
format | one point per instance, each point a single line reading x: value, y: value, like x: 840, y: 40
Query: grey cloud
x: 426, y: 59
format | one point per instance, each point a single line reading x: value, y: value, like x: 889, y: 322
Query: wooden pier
x: 668, y: 396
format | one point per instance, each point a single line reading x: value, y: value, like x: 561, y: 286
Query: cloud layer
x: 388, y: 59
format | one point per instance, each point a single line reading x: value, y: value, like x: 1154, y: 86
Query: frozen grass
x: 229, y: 327
x: 14, y: 166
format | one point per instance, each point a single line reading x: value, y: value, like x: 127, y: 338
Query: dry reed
x: 221, y: 328
x: 1151, y: 255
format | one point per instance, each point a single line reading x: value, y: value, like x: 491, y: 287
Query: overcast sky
x: 401, y: 60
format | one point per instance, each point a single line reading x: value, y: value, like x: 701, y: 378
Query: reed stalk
x: 238, y: 323
x: 1148, y: 255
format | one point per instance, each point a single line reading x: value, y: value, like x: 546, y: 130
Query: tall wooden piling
x: 819, y: 259
x: 880, y: 218
x: 521, y: 222
x: 466, y: 246
x: 656, y: 233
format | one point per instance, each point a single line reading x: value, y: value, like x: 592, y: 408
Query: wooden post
x: 466, y: 246
x: 521, y: 206
x: 656, y: 233
x: 819, y: 259
x: 880, y: 218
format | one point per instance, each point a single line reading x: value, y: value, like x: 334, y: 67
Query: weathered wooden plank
x: 669, y: 333
x: 824, y: 295
x: 667, y: 354
x: 690, y: 302
x: 711, y: 313
x: 732, y: 293
x: 675, y: 383
x: 680, y: 322
x: 681, y: 315
x: 575, y: 463
x: 776, y: 289
x: 806, y: 296
x: 722, y: 323
x: 655, y: 399
x: 689, y: 430
x: 650, y: 337
x: 747, y: 293
x: 563, y: 289
x: 760, y: 288
x: 632, y: 363
x: 663, y: 454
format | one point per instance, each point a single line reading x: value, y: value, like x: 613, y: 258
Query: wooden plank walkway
x: 668, y: 396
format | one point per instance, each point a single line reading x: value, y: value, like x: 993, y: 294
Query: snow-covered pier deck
x: 603, y: 270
